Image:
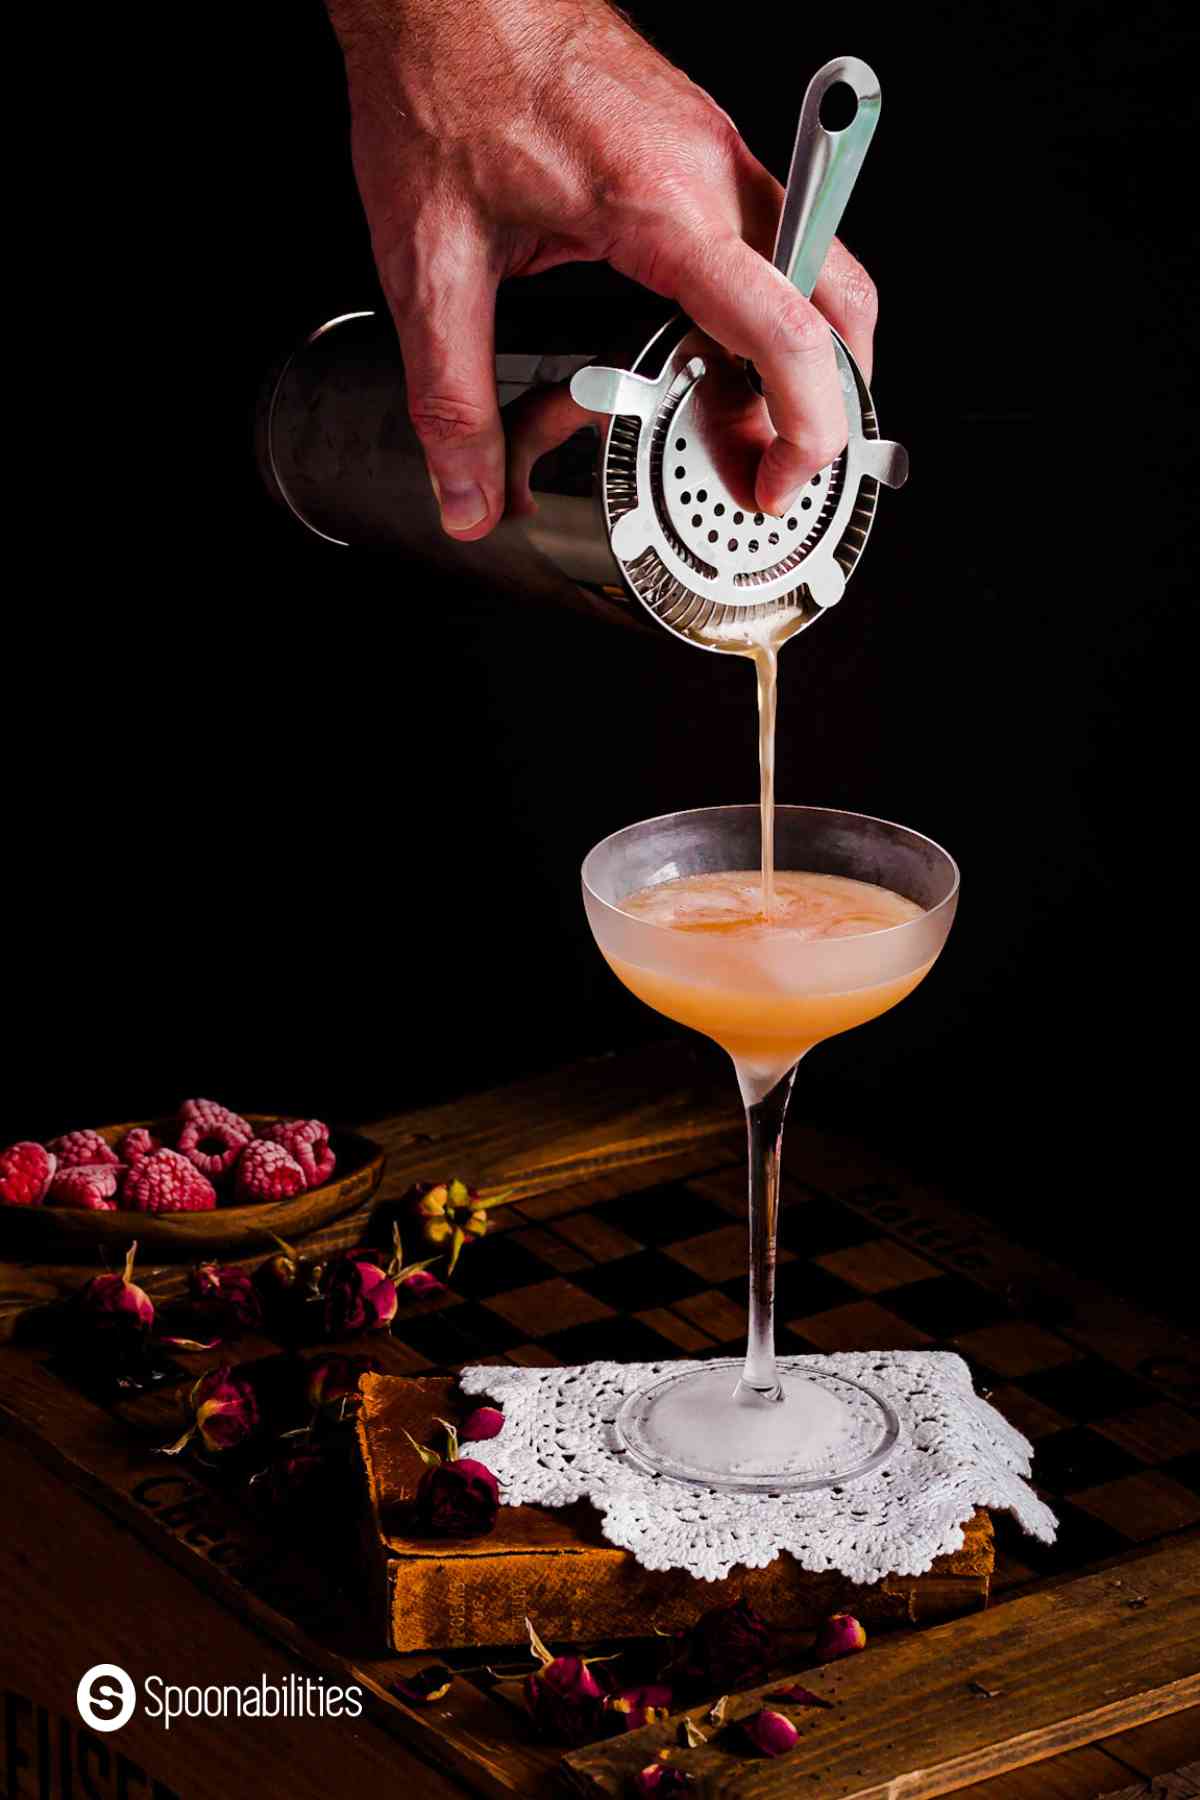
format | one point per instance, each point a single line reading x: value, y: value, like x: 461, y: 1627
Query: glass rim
x: 787, y: 807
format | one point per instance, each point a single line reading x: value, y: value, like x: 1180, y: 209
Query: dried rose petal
x: 840, y: 1635
x: 647, y: 1704
x: 426, y: 1686
x: 485, y: 1422
x: 450, y: 1214
x: 770, y: 1733
x: 729, y: 1647
x: 566, y: 1701
x: 799, y: 1696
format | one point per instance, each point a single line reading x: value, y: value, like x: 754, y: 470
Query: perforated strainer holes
x: 805, y: 503
x: 733, y: 543
x: 681, y: 443
x: 738, y: 517
x: 774, y: 538
x: 719, y: 510
x: 713, y: 536
x: 752, y: 546
x: 680, y: 473
x: 697, y: 518
x: 816, y: 481
x: 686, y: 498
x: 791, y: 524
x: 758, y: 518
x: 702, y: 495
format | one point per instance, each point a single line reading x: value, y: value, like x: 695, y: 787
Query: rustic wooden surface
x: 962, y: 1701
x: 47, y: 1233
x: 603, y: 1159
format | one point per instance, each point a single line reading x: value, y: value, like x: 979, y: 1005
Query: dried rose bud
x: 224, y: 1411
x: 425, y: 1686
x: 647, y: 1704
x: 840, y: 1635
x: 227, y: 1295
x: 770, y: 1733
x: 661, y: 1779
x: 358, y: 1293
x: 421, y: 1284
x: 450, y: 1214
x: 297, y: 1475
x: 108, y: 1301
x: 333, y: 1383
x: 457, y: 1499
x: 729, y: 1647
x: 485, y: 1422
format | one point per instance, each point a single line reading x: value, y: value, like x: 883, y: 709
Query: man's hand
x: 507, y: 136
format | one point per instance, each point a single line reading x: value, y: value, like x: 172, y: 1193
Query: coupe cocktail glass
x: 766, y: 995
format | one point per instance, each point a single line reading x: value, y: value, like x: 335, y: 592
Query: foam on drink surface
x: 806, y: 906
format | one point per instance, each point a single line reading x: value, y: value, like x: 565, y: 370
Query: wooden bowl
x: 63, y: 1233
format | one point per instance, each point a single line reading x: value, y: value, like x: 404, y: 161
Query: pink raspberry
x: 266, y: 1171
x: 211, y: 1112
x: 88, y: 1187
x: 79, y: 1147
x: 308, y: 1141
x: 211, y: 1145
x: 26, y: 1171
x: 138, y: 1143
x: 167, y: 1182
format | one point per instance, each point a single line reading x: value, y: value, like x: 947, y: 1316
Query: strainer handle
x: 825, y: 166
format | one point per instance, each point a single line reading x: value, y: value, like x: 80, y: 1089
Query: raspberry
x: 266, y: 1171
x: 79, y: 1147
x: 308, y: 1141
x: 210, y: 1112
x: 138, y: 1143
x: 212, y: 1146
x: 167, y: 1182
x: 89, y: 1187
x: 25, y: 1173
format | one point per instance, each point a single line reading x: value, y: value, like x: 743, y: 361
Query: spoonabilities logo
x: 106, y: 1697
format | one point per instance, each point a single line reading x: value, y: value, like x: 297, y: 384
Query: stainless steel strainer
x: 677, y: 499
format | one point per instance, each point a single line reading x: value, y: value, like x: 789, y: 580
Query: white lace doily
x: 955, y: 1454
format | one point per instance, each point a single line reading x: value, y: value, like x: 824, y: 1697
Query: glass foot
x: 701, y: 1424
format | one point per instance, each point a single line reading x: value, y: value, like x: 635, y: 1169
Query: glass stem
x: 764, y: 1127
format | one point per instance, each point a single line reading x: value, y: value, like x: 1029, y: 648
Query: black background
x: 267, y: 839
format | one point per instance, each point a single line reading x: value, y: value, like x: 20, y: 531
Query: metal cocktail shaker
x: 654, y: 509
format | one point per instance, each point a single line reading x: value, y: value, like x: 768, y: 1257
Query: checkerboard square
x: 598, y: 1238
x: 533, y: 1356
x: 611, y: 1340
x: 464, y: 1334
x: 861, y: 1325
x: 1026, y: 1413
x: 662, y: 1215
x: 1014, y: 1347
x: 945, y: 1305
x: 1079, y: 1458
x: 1142, y: 1506
x: 548, y: 1306
x: 1185, y: 1469
x: 877, y: 1265
x: 1155, y: 1434
x: 495, y: 1264
x: 718, y: 1255
x: 1081, y: 1539
x: 1087, y: 1390
x: 676, y: 1330
x: 820, y: 1225
x: 719, y: 1317
x: 635, y: 1282
x: 801, y: 1288
x: 552, y: 1251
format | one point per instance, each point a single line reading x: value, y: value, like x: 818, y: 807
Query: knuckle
x: 861, y: 296
x: 798, y: 328
x: 443, y: 419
